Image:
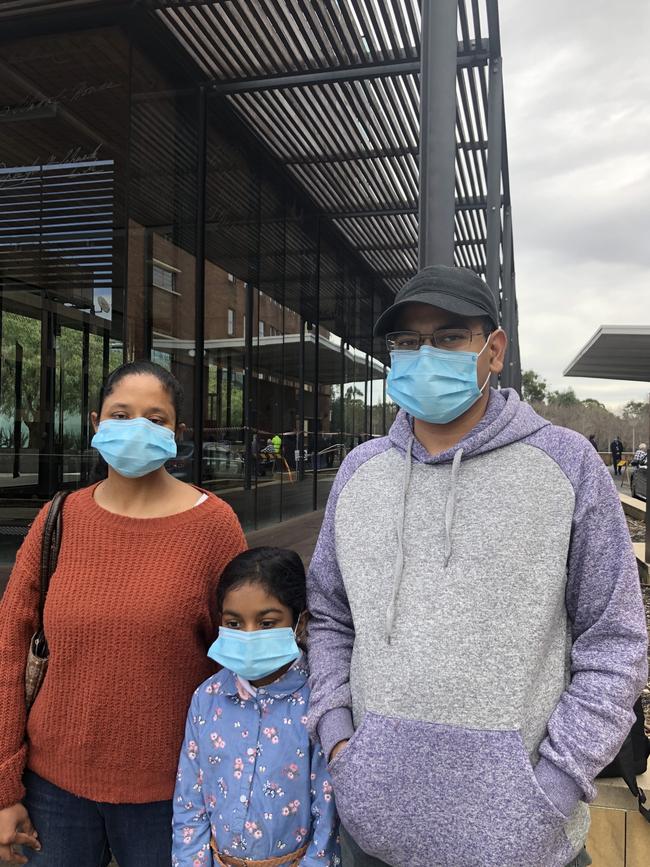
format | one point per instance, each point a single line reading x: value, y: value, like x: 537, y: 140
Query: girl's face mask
x: 435, y: 385
x: 254, y: 655
x: 134, y: 447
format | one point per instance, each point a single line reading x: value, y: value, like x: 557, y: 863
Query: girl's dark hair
x: 137, y: 368
x: 279, y: 570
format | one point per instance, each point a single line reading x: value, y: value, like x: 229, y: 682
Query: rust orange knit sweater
x: 129, y: 617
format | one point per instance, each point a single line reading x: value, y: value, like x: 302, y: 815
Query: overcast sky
x: 577, y: 96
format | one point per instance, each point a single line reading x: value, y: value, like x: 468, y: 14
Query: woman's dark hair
x: 137, y: 368
x: 279, y: 570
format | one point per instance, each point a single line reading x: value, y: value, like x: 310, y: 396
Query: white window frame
x: 163, y: 266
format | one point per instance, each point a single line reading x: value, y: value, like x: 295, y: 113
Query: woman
x: 130, y: 612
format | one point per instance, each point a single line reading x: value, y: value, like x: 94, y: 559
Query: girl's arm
x: 324, y: 847
x: 190, y: 824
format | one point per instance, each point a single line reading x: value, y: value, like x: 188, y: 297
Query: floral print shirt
x: 249, y: 776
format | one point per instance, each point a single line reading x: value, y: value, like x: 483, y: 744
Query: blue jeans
x: 353, y: 856
x: 76, y: 832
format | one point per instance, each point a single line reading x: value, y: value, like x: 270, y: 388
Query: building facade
x: 141, y: 220
x: 234, y: 191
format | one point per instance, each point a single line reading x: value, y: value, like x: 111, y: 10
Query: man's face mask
x: 435, y: 385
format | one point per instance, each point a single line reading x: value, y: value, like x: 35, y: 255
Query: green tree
x: 567, y: 397
x: 25, y: 331
x: 635, y: 411
x: 353, y: 410
x: 533, y: 387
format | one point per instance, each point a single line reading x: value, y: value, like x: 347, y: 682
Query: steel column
x: 437, y: 131
x: 199, y: 291
x: 248, y: 383
x: 300, y: 439
x: 494, y: 162
x: 507, y: 299
x: 316, y: 370
x: 18, y: 409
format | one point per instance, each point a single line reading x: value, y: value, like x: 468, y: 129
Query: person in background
x: 251, y: 787
x: 593, y: 441
x: 130, y: 614
x: 616, y: 449
x: 640, y: 455
x: 277, y: 444
x: 477, y: 643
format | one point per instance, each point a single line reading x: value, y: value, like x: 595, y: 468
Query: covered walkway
x: 618, y: 352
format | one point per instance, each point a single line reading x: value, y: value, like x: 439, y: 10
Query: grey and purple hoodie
x: 478, y: 633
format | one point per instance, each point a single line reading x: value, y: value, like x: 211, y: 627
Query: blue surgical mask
x: 253, y: 655
x: 134, y: 447
x: 434, y: 385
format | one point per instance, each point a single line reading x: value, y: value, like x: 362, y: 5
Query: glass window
x: 98, y: 247
x: 164, y: 277
x: 62, y: 255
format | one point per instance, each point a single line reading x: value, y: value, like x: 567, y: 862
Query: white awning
x: 615, y: 352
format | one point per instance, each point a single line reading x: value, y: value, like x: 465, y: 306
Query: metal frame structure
x: 388, y: 114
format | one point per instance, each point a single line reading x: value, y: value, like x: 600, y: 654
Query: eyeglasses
x: 443, y: 338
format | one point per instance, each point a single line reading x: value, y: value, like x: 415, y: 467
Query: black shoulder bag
x: 39, y: 654
x: 632, y: 759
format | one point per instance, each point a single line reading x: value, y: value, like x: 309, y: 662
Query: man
x: 478, y: 638
x: 593, y: 441
x: 640, y: 455
x: 616, y: 448
x: 277, y: 444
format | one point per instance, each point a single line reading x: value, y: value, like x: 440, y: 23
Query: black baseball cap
x: 457, y: 290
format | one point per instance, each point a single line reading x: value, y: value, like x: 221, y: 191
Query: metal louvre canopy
x: 332, y: 88
x: 615, y: 352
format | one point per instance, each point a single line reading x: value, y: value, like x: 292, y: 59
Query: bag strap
x: 50, y: 545
x: 627, y: 764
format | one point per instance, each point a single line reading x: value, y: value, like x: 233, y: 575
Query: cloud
x: 576, y: 87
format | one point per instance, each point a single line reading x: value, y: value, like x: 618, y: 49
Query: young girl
x: 251, y: 789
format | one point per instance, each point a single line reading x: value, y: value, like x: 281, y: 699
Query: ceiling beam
x: 387, y: 68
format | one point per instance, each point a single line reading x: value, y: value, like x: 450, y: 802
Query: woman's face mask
x: 134, y: 447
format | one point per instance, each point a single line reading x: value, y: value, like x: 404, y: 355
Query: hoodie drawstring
x: 398, y: 566
x: 450, y: 508
x: 450, y: 505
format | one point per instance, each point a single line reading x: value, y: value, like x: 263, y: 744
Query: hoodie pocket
x: 424, y: 795
x: 351, y: 745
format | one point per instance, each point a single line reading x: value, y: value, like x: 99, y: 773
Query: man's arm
x: 610, y: 642
x: 331, y: 637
